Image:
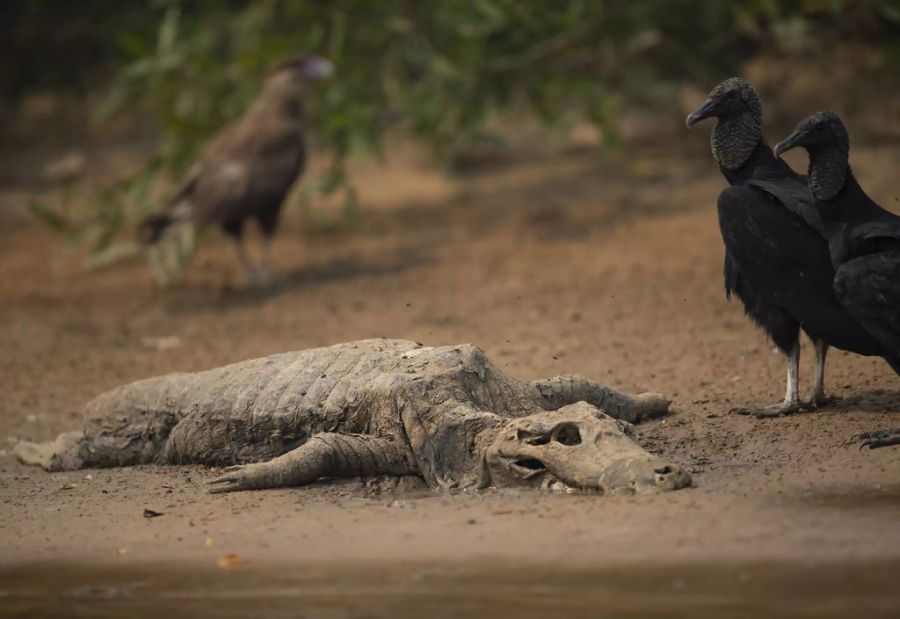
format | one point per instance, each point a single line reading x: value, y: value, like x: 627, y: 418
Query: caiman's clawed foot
x: 650, y: 405
x: 241, y: 477
x: 877, y: 438
x: 775, y: 410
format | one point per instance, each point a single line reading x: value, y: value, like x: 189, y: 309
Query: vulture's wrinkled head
x: 825, y: 138
x: 738, y: 109
x: 821, y: 131
x: 730, y: 99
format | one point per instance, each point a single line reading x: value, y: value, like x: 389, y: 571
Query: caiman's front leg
x: 323, y: 455
x: 569, y: 389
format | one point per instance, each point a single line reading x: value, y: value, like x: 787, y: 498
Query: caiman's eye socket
x: 533, y: 438
x: 567, y: 434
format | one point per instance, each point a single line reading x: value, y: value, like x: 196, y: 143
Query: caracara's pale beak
x: 318, y: 68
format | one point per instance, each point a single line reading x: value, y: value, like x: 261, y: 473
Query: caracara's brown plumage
x: 249, y: 167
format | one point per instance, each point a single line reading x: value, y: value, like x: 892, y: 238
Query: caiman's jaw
x: 577, y: 448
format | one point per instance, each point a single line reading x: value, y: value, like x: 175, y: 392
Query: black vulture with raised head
x: 776, y: 257
x: 863, y: 238
x: 248, y: 169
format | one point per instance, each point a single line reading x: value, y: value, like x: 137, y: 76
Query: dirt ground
x: 551, y: 263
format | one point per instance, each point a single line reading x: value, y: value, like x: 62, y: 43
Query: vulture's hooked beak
x: 791, y: 141
x: 704, y: 111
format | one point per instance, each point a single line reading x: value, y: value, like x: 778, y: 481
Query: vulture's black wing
x: 779, y: 253
x: 753, y: 293
x: 872, y: 237
x: 869, y: 287
x: 794, y: 195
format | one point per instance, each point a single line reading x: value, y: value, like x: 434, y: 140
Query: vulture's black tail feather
x: 894, y: 363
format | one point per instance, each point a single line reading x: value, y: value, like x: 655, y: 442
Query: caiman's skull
x: 576, y: 447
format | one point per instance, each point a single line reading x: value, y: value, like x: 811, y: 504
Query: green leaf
x: 48, y: 216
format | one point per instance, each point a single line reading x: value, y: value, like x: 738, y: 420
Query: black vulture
x: 776, y: 257
x: 248, y: 169
x: 863, y: 238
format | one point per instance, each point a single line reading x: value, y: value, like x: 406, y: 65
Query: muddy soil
x: 552, y: 263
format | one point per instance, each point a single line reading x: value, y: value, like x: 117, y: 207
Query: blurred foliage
x: 440, y: 71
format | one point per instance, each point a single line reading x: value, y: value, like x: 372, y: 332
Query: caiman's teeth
x: 577, y: 490
x: 555, y: 485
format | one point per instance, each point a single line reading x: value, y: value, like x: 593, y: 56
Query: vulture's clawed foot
x: 775, y: 410
x: 876, y: 438
x: 817, y: 401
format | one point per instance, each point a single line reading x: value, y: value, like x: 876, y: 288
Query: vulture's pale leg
x: 817, y: 396
x: 877, y: 438
x: 323, y: 455
x: 791, y: 402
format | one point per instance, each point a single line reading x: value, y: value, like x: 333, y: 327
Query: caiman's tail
x: 63, y: 454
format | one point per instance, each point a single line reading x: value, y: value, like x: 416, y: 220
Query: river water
x: 767, y: 591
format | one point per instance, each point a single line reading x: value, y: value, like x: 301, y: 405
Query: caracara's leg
x: 791, y: 402
x: 263, y: 275
x: 235, y: 229
x: 268, y: 219
x: 569, y: 389
x: 323, y: 455
x: 244, y: 260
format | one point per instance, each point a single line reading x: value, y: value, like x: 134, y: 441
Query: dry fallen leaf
x: 230, y: 560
